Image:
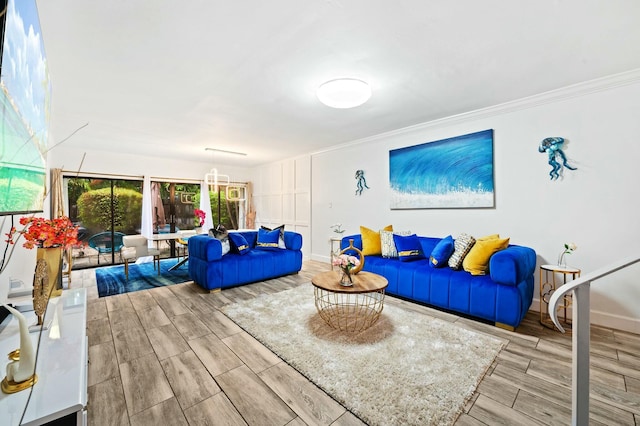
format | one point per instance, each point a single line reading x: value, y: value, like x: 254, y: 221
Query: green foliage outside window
x: 94, y: 209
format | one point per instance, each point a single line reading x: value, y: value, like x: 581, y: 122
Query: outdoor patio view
x: 108, y: 209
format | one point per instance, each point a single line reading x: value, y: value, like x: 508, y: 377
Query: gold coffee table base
x: 349, y: 312
x: 353, y: 308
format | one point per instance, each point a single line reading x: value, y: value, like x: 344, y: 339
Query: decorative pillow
x: 462, y: 245
x: 268, y: 240
x: 442, y: 252
x: 220, y: 233
x: 477, y: 261
x: 387, y: 245
x: 281, y: 230
x: 371, y: 245
x: 226, y: 247
x: 239, y: 243
x: 409, y: 247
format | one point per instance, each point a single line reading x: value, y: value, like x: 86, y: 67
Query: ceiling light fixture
x: 223, y: 151
x: 344, y: 93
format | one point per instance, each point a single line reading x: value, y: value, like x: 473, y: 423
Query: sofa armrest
x: 512, y: 265
x: 292, y: 240
x: 205, y: 247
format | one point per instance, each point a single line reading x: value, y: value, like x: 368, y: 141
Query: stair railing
x: 581, y: 333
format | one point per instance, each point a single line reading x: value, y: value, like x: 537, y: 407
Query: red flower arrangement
x: 199, y: 217
x: 45, y: 233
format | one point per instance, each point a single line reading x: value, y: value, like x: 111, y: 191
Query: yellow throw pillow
x: 477, y: 261
x: 371, y: 245
x: 489, y: 237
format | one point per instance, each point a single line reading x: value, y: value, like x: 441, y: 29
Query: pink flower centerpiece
x: 346, y: 264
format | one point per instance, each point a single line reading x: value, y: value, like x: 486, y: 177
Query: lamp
x: 344, y: 93
x: 215, y: 179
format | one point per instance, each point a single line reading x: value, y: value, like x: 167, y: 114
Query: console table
x: 61, y: 366
x: 548, y: 285
x: 333, y: 242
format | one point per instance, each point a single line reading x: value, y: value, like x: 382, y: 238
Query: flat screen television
x: 25, y: 97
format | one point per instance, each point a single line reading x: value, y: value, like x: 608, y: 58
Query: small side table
x: 548, y: 284
x: 333, y: 241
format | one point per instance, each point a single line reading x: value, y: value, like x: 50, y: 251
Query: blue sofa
x: 213, y: 271
x: 502, y: 297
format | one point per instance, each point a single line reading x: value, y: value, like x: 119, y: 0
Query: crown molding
x: 556, y: 95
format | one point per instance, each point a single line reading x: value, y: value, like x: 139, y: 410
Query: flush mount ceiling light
x: 344, y: 93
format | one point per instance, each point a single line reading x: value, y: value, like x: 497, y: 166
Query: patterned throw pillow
x: 220, y: 233
x: 462, y: 246
x: 387, y: 244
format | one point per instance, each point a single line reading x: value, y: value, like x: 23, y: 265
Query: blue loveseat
x: 213, y: 271
x: 502, y: 297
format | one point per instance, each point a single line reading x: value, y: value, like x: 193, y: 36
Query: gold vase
x: 48, y: 278
x: 358, y: 255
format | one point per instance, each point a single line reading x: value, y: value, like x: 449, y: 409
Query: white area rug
x: 408, y: 368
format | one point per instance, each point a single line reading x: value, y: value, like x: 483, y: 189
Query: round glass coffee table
x: 354, y: 308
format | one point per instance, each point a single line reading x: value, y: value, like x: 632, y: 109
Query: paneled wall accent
x: 282, y: 195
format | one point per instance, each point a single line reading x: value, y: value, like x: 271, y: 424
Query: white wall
x: 282, y: 195
x: 595, y: 206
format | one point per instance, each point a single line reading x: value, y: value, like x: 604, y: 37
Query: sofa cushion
x: 280, y: 228
x: 477, y: 261
x: 462, y: 246
x: 442, y: 252
x: 387, y: 244
x: 409, y: 247
x: 239, y: 243
x: 268, y: 240
x: 371, y: 245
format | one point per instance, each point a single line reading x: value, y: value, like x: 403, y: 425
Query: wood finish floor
x: 167, y: 356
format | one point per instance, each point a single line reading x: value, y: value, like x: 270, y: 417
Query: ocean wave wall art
x: 449, y: 173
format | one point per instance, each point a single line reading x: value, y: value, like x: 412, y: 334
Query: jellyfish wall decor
x: 553, y: 147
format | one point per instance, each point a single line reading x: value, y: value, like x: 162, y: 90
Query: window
x: 105, y: 210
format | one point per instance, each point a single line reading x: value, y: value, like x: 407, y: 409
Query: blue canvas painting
x: 449, y: 173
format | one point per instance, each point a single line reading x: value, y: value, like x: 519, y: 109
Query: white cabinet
x: 61, y: 364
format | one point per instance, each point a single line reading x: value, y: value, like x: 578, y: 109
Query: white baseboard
x: 604, y: 319
x: 320, y: 258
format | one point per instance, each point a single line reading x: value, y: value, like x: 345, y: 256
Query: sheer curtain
x: 205, y: 206
x: 146, y: 228
x: 58, y: 210
x: 57, y: 194
x: 250, y: 216
x: 147, y: 218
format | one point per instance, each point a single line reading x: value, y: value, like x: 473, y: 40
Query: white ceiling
x: 169, y: 78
